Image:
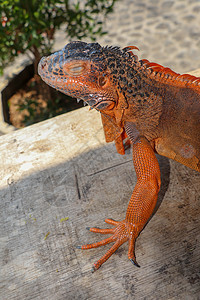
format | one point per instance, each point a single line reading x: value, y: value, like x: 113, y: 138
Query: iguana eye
x: 75, y: 69
x: 102, y: 80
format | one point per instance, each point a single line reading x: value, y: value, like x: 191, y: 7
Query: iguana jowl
x: 152, y: 107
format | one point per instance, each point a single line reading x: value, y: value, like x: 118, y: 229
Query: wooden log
x: 57, y: 178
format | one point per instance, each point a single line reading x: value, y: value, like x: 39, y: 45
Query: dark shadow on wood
x: 39, y: 257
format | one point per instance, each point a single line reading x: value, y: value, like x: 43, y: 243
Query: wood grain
x: 62, y: 168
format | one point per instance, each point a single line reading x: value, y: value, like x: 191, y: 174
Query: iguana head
x: 109, y: 79
x: 87, y: 71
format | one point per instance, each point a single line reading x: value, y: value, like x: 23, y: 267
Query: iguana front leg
x: 145, y: 193
x: 140, y: 207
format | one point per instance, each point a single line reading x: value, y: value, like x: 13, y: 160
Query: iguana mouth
x: 97, y: 104
x: 91, y: 103
x: 100, y: 105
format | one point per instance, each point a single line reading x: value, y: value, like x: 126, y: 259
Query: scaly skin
x: 142, y: 103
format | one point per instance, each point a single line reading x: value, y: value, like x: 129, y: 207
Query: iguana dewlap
x: 157, y: 109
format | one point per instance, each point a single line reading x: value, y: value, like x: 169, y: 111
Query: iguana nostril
x: 43, y: 62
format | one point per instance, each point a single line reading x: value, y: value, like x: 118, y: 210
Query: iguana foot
x: 122, y: 232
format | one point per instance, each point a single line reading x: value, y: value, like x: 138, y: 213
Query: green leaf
x: 36, y: 14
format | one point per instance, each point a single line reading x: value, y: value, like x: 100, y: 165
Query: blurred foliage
x: 31, y: 24
x: 35, y: 112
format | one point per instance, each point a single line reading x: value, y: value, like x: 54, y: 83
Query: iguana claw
x: 134, y: 262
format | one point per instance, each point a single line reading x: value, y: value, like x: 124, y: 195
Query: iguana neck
x: 140, y: 96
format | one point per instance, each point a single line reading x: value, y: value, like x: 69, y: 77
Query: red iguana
x: 154, y: 108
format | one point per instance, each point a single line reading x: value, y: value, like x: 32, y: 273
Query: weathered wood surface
x: 63, y: 168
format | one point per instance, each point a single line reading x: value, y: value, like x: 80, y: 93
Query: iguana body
x: 157, y: 109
